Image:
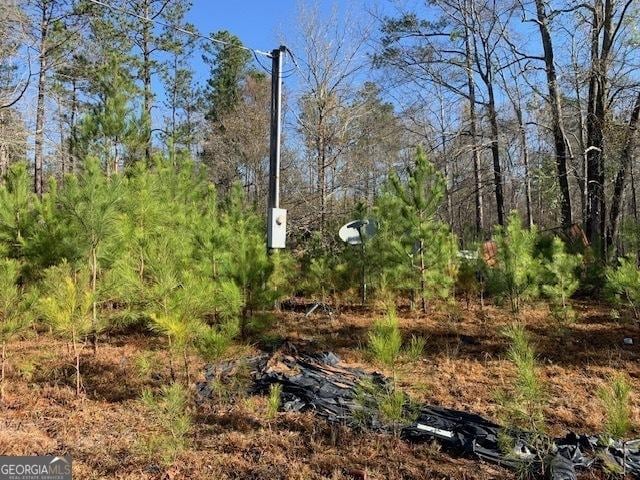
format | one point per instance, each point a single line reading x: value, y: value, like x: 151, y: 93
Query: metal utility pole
x: 277, y: 217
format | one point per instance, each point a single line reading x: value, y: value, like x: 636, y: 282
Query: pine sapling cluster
x: 623, y: 284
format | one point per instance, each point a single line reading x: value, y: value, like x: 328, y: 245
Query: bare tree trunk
x: 582, y: 177
x: 527, y: 176
x: 73, y: 137
x: 495, y: 149
x: 322, y: 183
x: 4, y: 161
x: 634, y: 198
x: 475, y: 155
x: 38, y: 184
x: 62, y: 149
x: 559, y: 136
x: 621, y: 177
x: 596, y: 206
x: 146, y: 80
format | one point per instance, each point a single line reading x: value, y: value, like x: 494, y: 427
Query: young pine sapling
x: 563, y: 281
x: 516, y: 274
x: 67, y: 308
x: 522, y: 406
x: 13, y: 315
x: 623, y: 283
x: 409, y: 213
x: 171, y: 422
x: 616, y: 400
x: 89, y: 205
x: 385, y: 339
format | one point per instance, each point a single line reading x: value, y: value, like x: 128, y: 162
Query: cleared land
x: 462, y: 367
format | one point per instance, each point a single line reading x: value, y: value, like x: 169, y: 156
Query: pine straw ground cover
x: 462, y: 367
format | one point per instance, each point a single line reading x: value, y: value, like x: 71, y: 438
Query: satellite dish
x: 357, y: 231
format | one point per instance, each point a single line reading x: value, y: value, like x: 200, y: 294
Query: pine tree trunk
x: 146, y: 79
x: 172, y: 371
x: 94, y: 316
x: 73, y: 140
x: 186, y: 366
x: 423, y: 285
x: 174, y: 101
x: 63, y: 152
x: 76, y: 354
x: 38, y: 183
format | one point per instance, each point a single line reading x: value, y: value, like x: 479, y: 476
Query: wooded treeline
x: 522, y: 105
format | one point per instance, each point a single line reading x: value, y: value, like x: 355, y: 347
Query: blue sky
x: 258, y: 23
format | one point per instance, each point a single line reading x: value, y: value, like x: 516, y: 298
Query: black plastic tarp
x: 335, y: 392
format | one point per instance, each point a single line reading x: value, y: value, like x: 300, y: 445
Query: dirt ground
x: 463, y: 367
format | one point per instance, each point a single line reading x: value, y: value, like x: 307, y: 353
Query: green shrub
x: 616, y: 400
x: 623, y: 284
x: 385, y: 339
x: 563, y: 282
x: 170, y: 423
x: 323, y: 276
